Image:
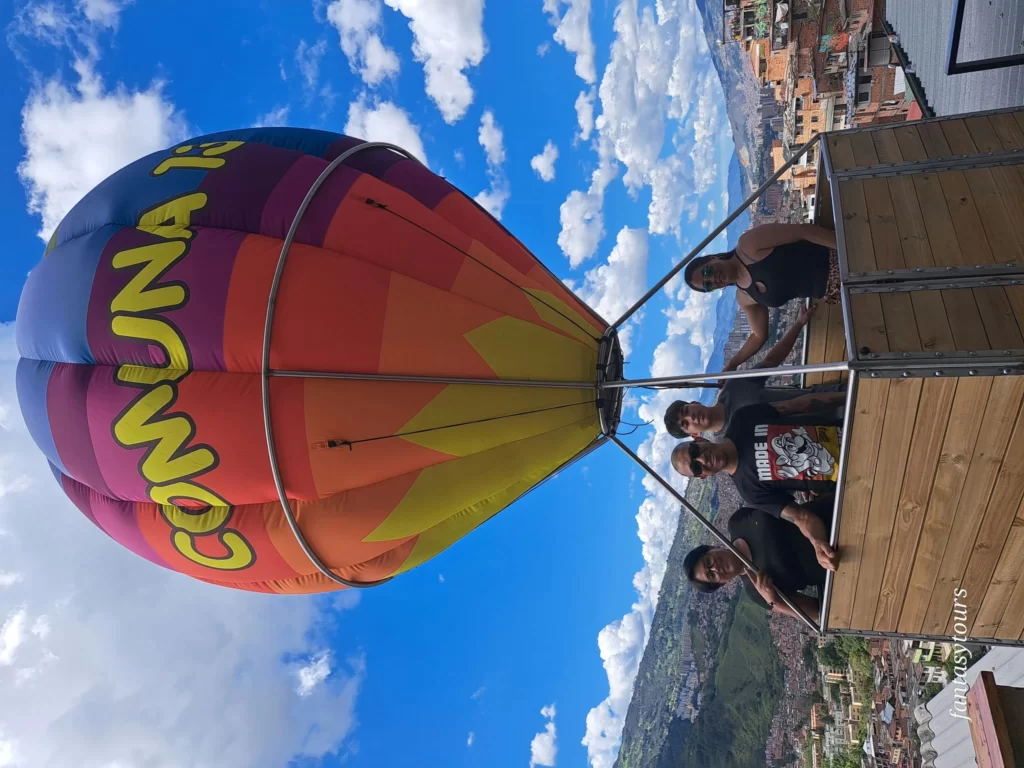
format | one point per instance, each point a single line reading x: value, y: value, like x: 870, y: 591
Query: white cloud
x: 658, y: 64
x: 276, y: 117
x: 105, y: 13
x: 307, y: 58
x: 544, y: 163
x: 585, y: 113
x: 448, y: 38
x: 75, y: 138
x: 492, y: 139
x: 613, y: 287
x: 136, y: 665
x: 440, y: 578
x: 12, y: 635
x: 543, y: 748
x: 314, y: 673
x: 543, y: 48
x: 572, y: 31
x: 384, y: 121
x: 470, y: 739
x: 478, y: 692
x: 9, y: 579
x: 359, y: 23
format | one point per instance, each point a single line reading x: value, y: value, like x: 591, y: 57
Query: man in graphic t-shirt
x: 772, y: 450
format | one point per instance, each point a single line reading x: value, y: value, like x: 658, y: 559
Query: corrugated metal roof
x: 946, y: 740
x: 991, y: 28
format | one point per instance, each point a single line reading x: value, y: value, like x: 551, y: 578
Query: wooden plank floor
x: 934, y: 501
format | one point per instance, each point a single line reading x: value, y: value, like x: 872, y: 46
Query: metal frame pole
x: 430, y: 379
x: 723, y: 540
x: 717, y: 230
x: 268, y: 327
x: 745, y: 373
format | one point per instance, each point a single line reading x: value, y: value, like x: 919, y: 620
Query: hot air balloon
x: 286, y: 360
x: 150, y: 361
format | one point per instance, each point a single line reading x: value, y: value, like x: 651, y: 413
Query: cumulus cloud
x: 470, y: 739
x: 276, y: 117
x: 544, y: 163
x: 613, y: 287
x: 658, y: 64
x: 585, y: 113
x: 74, y: 137
x: 544, y: 747
x: 448, y: 39
x: 492, y: 139
x: 359, y: 25
x: 543, y: 48
x: 111, y: 660
x: 314, y: 673
x: 572, y: 31
x: 384, y: 121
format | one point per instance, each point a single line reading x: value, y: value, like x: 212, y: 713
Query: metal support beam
x: 947, y: 284
x: 384, y: 377
x: 890, y: 276
x: 921, y: 367
x: 745, y: 373
x: 722, y: 538
x: 956, y: 67
x: 716, y: 231
x: 933, y: 165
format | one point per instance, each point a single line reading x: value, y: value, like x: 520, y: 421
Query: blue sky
x: 597, y: 133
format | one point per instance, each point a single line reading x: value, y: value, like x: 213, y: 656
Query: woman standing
x: 771, y: 265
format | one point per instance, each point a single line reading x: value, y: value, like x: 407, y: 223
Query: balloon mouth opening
x: 610, y: 367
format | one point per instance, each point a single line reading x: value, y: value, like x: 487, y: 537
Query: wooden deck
x: 932, y: 512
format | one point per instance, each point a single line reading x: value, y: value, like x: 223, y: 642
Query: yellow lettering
x: 240, y: 554
x: 179, y: 211
x: 190, y: 509
x: 137, y: 295
x: 166, y: 460
x: 207, y: 160
x: 214, y: 148
x: 155, y: 331
x: 201, y: 163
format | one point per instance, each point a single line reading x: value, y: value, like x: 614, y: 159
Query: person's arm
x: 813, y: 402
x: 757, y: 317
x: 813, y: 527
x: 777, y: 355
x: 765, y: 588
x: 767, y: 236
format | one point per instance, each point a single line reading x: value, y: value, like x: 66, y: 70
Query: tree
x: 830, y: 655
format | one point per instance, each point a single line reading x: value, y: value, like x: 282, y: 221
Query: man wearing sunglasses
x: 684, y: 417
x: 772, y: 450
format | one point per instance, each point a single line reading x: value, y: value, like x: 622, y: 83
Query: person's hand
x: 806, y: 313
x: 814, y: 529
x: 764, y: 585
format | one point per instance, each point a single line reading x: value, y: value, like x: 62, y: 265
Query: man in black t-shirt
x: 692, y: 418
x: 773, y: 450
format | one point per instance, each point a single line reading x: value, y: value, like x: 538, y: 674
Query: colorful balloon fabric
x: 141, y: 336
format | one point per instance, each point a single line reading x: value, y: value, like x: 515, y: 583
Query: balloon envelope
x: 141, y: 335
